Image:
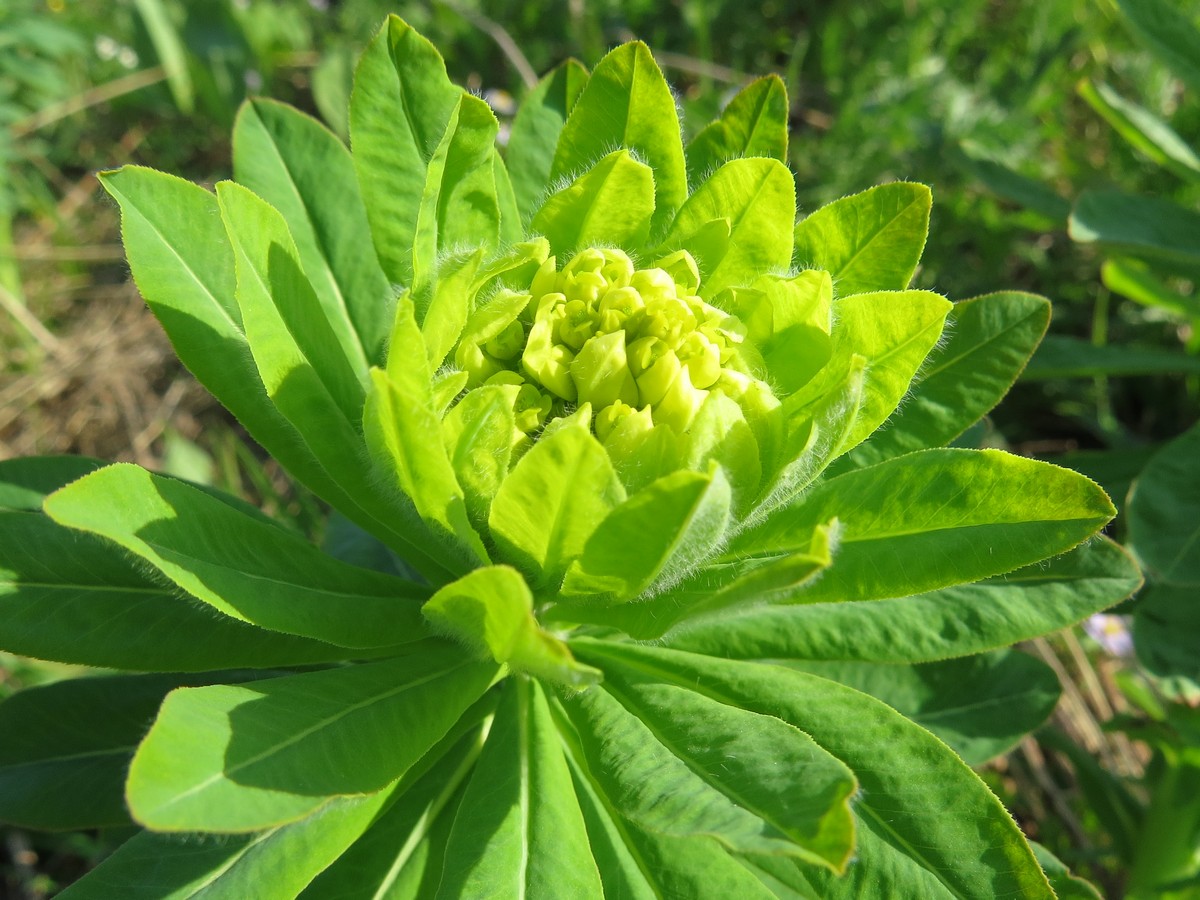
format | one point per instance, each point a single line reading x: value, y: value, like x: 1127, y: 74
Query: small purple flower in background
x: 1111, y: 632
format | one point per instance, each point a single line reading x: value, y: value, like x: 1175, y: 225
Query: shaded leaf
x: 535, y: 131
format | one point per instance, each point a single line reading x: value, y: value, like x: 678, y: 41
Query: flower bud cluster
x: 630, y: 342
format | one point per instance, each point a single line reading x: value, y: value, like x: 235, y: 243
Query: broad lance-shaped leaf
x: 627, y: 104
x: 757, y: 197
x: 459, y: 205
x: 26, y: 480
x: 755, y: 123
x: 478, y: 434
x: 956, y: 621
x: 289, y: 332
x: 301, y: 168
x: 183, y: 264
x: 244, y: 567
x: 67, y: 747
x: 893, y: 333
x: 1169, y: 33
x: 444, y: 317
x: 552, y: 501
x: 904, y: 837
x: 654, y: 538
x: 152, y: 866
x: 519, y: 831
x: 870, y: 241
x: 56, y: 584
x: 1164, y: 527
x: 680, y: 762
x: 399, y: 109
x: 611, y: 203
x: 645, y: 865
x: 535, y: 130
x: 234, y: 758
x: 1149, y: 228
x: 988, y: 341
x: 981, y: 706
x: 717, y: 595
x: 1142, y: 129
x: 491, y: 611
x: 401, y: 855
x: 933, y: 519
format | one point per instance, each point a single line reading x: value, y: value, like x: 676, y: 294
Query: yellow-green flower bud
x: 531, y: 408
x: 653, y: 284
x: 478, y: 365
x: 701, y: 357
x: 546, y: 279
x: 601, y: 372
x: 617, y: 307
x: 656, y: 378
x: 682, y: 268
x: 617, y: 269
x: 667, y: 318
x: 508, y: 343
x: 547, y: 362
x: 576, y: 325
x: 612, y: 415
x: 678, y: 406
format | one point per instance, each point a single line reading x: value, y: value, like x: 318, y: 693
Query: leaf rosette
x: 630, y: 527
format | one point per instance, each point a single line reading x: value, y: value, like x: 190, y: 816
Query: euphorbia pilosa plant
x: 630, y: 527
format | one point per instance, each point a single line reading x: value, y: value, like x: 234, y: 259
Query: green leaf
x: 1165, y: 624
x: 511, y: 225
x: 1137, y: 281
x: 400, y: 856
x: 288, y: 330
x: 235, y: 758
x: 720, y: 434
x: 1011, y: 185
x: 67, y: 747
x: 520, y: 832
x: 757, y: 198
x: 459, y: 205
x: 491, y: 611
x: 535, y: 131
x: 299, y: 167
x: 443, y: 320
x: 933, y: 519
x: 989, y: 341
x: 57, y: 584
x: 1142, y: 129
x: 169, y: 48
x: 1064, y: 357
x: 644, y: 865
x: 980, y: 705
x: 478, y: 434
x: 1149, y: 228
x: 1003, y: 610
x: 399, y: 421
x: 184, y: 267
x: 1066, y: 885
x: 908, y: 780
x: 627, y: 105
x: 552, y: 501
x: 153, y: 866
x: 26, y: 480
x: 611, y: 203
x: 755, y: 123
x: 799, y: 343
x: 682, y: 762
x: 893, y: 332
x: 870, y: 241
x: 653, y: 539
x: 1164, y: 512
x: 244, y: 567
x: 714, y: 592
x: 399, y: 110
x: 1170, y: 34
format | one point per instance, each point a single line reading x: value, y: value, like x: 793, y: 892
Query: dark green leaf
x: 955, y: 621
x: 246, y: 568
x: 1164, y: 512
x: 1065, y: 357
x: 1149, y: 228
x: 1169, y: 33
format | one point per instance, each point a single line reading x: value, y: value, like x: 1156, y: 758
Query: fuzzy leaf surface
x: 241, y: 566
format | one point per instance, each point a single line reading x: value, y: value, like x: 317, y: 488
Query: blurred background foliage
x: 1059, y: 138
